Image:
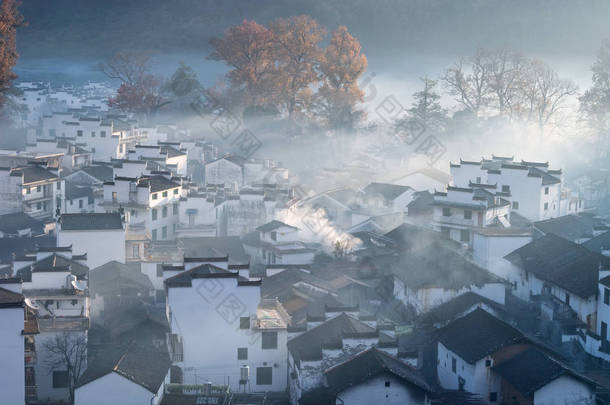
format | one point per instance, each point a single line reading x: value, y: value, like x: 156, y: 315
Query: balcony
x: 31, y: 393
x: 63, y: 324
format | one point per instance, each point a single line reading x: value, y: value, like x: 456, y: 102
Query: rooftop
x: 90, y: 221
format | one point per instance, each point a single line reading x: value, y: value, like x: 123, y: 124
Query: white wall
x: 113, y: 389
x: 101, y: 246
x: 12, y: 371
x: 374, y: 391
x: 564, y: 390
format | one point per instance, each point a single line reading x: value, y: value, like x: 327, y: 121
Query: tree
x: 10, y: 20
x: 341, y: 65
x: 248, y: 49
x: 427, y: 108
x: 595, y: 102
x: 67, y: 351
x: 470, y: 84
x: 139, y: 92
x: 297, y: 52
x: 505, y: 70
x: 183, y: 89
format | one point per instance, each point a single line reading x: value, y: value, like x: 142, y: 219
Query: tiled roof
x: 90, y: 221
x: 387, y: 190
x: 270, y: 226
x: 10, y: 299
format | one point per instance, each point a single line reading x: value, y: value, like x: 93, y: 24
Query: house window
x: 387, y: 383
x: 154, y: 234
x: 28, y: 190
x: 546, y: 190
x: 154, y: 196
x: 487, y: 363
x: 80, y: 203
x: 114, y: 196
x: 60, y: 379
x: 79, y: 133
x: 164, y: 194
x: 264, y: 375
x: 567, y: 299
x: 493, y: 397
x: 242, y: 353
x: 446, y: 212
x: 606, y: 296
x: 604, y: 331
x: 446, y: 232
x: 102, y: 134
x: 505, y: 189
x: 515, y: 205
x: 38, y: 189
x: 274, y: 236
x: 478, y: 180
x: 164, y: 212
x: 175, y: 209
x: 154, y: 214
x: 175, y: 191
x: 136, y: 251
x: 164, y: 232
x: 92, y: 134
x: 546, y: 206
x: 467, y: 214
x: 244, y: 322
x: 464, y: 235
x: 453, y: 364
x: 269, y: 340
x: 38, y: 206
x: 59, y: 185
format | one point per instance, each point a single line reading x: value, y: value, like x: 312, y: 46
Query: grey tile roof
x: 10, y: 299
x: 90, y: 221
x: 11, y: 223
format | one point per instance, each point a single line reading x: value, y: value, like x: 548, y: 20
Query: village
x: 140, y: 265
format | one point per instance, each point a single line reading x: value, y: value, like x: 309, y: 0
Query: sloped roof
x: 531, y: 370
x: 274, y: 224
x: 113, y: 276
x: 10, y: 299
x: 477, y: 335
x: 560, y: 262
x: 570, y: 227
x: 185, y: 278
x: 100, y: 172
x: 449, y: 310
x: 226, y: 245
x: 56, y: 262
x: 35, y: 173
x: 387, y: 190
x: 368, y: 364
x: 11, y: 223
x: 73, y: 191
x: 598, y: 243
x: 90, y: 221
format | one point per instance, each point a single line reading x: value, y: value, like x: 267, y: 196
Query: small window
x: 446, y: 212
x: 175, y: 209
x: 154, y: 196
x: 387, y: 384
x: 60, y: 379
x: 606, y: 296
x: 80, y: 203
x: 546, y: 206
x: 269, y: 340
x: 159, y: 270
x: 464, y: 235
x: 160, y: 296
x: 515, y: 205
x: 154, y: 214
x: 164, y: 194
x: 488, y: 363
x: 244, y: 322
x: 102, y: 134
x: 154, y: 234
x: 114, y: 196
x: 546, y: 190
x: 567, y: 299
x: 92, y: 134
x: 28, y: 190
x: 136, y: 250
x: 453, y: 364
x: 493, y: 397
x: 274, y: 236
x: 264, y: 376
x: 175, y: 191
x: 59, y: 185
x: 242, y: 353
x: 79, y: 133
x: 164, y: 212
x: 478, y: 180
x: 38, y: 189
x: 467, y: 214
x: 164, y: 232
x: 505, y: 189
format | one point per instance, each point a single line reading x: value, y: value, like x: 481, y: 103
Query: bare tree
x: 469, y: 82
x: 128, y: 67
x: 67, y: 351
x: 505, y: 69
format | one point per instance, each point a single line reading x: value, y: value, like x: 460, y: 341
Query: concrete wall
x: 12, y: 372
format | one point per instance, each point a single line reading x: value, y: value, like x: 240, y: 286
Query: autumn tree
x: 10, y: 20
x: 139, y: 92
x: 296, y: 49
x: 341, y: 65
x: 248, y: 48
x: 67, y: 351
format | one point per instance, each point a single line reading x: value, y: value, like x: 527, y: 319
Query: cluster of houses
x: 141, y: 266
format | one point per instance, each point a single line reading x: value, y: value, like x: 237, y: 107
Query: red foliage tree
x: 10, y: 20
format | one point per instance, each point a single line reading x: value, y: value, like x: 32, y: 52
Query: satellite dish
x: 29, y: 303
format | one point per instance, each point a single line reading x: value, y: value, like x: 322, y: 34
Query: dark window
x: 175, y: 191
x: 269, y: 340
x: 103, y: 134
x: 478, y: 180
x: 80, y: 203
x: 164, y: 212
x: 604, y: 331
x: 546, y: 190
x: 154, y: 196
x: 567, y: 299
x: 159, y: 270
x: 60, y: 379
x: 493, y: 396
x: 154, y: 234
x: 487, y: 363
x: 467, y: 214
x: 38, y: 189
x: 164, y: 194
x: 92, y: 134
x: 160, y: 296
x: 264, y: 375
x: 387, y: 383
x: 546, y: 206
x: 606, y: 296
x: 59, y: 185
x: 453, y: 364
x: 164, y: 232
x: 515, y: 205
x: 242, y: 353
x: 464, y: 235
x: 273, y: 235
x: 175, y: 209
x: 446, y: 212
x: 506, y: 189
x: 244, y: 322
x: 446, y: 232
x: 154, y: 214
x: 79, y: 133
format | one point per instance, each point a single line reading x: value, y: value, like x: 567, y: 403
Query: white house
x: 42, y: 191
x: 227, y: 170
x: 278, y: 243
x: 248, y: 349
x: 385, y: 195
x: 100, y: 236
x: 12, y: 348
